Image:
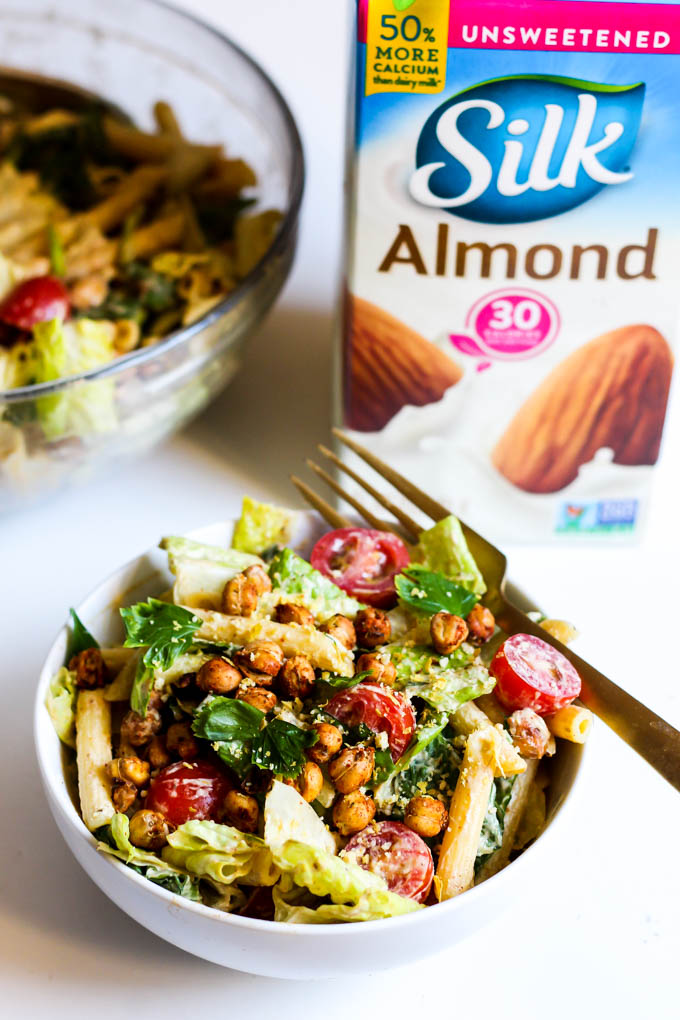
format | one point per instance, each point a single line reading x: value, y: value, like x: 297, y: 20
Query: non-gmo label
x: 406, y: 46
x: 600, y: 516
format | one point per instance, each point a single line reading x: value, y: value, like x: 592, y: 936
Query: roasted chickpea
x: 309, y: 783
x: 130, y: 769
x: 157, y: 753
x: 180, y: 740
x: 259, y: 575
x: 352, y: 768
x: 352, y: 812
x: 289, y: 612
x: 88, y: 292
x: 216, y: 676
x: 481, y: 624
x: 372, y: 628
x: 379, y: 666
x: 89, y: 668
x: 297, y: 678
x: 426, y: 815
x: 260, y: 657
x: 137, y: 730
x: 123, y: 795
x: 258, y: 697
x: 149, y: 830
x: 447, y: 632
x: 342, y: 629
x: 240, y: 596
x: 529, y: 733
x: 241, y: 810
x: 328, y: 744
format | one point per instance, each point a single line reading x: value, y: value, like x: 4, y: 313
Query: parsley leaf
x: 167, y: 630
x: 329, y: 683
x: 431, y: 593
x: 241, y: 740
x: 227, y: 719
x: 280, y: 746
x: 80, y: 637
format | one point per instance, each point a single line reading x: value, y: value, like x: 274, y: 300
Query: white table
x: 604, y: 906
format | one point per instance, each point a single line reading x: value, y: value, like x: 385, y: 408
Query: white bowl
x: 242, y: 943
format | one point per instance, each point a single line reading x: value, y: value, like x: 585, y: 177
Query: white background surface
x: 598, y: 930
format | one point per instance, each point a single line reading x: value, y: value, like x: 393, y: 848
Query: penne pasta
x: 573, y: 722
x: 162, y: 233
x: 140, y: 185
x: 456, y: 868
x: 93, y: 751
x: 469, y: 718
x: 321, y: 650
x: 166, y: 120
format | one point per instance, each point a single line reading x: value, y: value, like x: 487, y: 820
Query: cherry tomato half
x: 362, y: 562
x: 397, y: 854
x: 530, y: 673
x: 188, y: 790
x: 36, y: 300
x: 381, y: 709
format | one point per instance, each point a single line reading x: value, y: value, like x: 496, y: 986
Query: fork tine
x: 370, y: 518
x: 330, y: 515
x: 407, y: 522
x: 420, y: 499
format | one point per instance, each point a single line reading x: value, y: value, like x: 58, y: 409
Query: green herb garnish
x: 428, y: 592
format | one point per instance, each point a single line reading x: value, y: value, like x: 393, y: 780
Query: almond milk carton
x: 514, y: 255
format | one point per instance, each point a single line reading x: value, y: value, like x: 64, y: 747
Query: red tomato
x: 36, y: 300
x: 362, y: 562
x: 188, y: 790
x: 381, y: 709
x: 530, y: 673
x: 397, y: 854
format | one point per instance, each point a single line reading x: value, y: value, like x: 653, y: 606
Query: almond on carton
x: 514, y: 246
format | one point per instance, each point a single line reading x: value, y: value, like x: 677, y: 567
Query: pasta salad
x: 347, y: 737
x: 110, y: 239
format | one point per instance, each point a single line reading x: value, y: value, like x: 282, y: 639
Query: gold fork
x: 647, y: 733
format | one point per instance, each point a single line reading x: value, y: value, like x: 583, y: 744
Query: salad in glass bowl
x: 140, y: 243
x: 344, y: 738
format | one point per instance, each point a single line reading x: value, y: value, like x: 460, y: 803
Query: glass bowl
x: 131, y: 54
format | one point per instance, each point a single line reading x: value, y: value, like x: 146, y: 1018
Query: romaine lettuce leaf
x: 179, y: 548
x: 290, y: 906
x: 60, y: 703
x: 261, y: 527
x: 121, y: 847
x: 292, y: 575
x: 220, y: 854
x: 443, y: 549
x: 345, y: 882
x: 159, y: 872
x: 445, y: 682
x: 288, y: 816
x: 61, y: 349
x: 16, y: 366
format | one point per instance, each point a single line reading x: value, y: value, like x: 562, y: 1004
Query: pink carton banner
x: 561, y: 25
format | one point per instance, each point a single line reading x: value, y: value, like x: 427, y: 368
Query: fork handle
x: 652, y: 737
